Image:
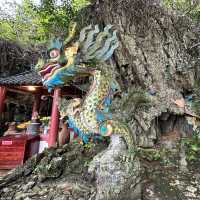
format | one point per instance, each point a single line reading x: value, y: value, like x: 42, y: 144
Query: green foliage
x: 192, y: 146
x: 187, y: 7
x: 33, y: 23
x: 79, y: 4
x: 154, y: 154
x: 89, y: 145
x: 196, y: 97
x: 6, y: 30
x: 196, y: 105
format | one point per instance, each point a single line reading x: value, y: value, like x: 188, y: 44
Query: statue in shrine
x: 12, y: 130
x: 88, y: 56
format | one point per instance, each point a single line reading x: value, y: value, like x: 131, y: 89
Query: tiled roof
x: 25, y: 78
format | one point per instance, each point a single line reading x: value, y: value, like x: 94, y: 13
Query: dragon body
x: 91, y: 115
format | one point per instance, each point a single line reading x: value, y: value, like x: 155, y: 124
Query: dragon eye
x: 54, y: 53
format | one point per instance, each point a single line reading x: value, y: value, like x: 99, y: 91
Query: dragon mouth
x: 48, y: 69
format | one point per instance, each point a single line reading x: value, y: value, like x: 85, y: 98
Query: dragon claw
x: 129, y: 156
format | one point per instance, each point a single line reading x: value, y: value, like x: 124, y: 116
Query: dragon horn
x: 72, y: 31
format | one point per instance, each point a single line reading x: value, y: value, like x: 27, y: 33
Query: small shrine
x: 27, y: 137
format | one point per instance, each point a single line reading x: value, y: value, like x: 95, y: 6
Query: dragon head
x: 63, y: 59
x: 58, y: 67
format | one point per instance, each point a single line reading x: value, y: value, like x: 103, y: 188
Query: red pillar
x: 36, y: 103
x: 2, y: 98
x: 54, y: 119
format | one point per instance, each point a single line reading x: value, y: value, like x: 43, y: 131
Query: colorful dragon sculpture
x: 86, y: 57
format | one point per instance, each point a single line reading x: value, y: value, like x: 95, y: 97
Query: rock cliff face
x: 158, y: 47
x: 15, y: 59
x: 159, y: 53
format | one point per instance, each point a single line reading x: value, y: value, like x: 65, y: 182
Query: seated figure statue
x: 11, y: 129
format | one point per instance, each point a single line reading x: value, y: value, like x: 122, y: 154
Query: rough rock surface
x: 170, y: 177
x: 57, y: 173
x: 164, y: 184
x: 117, y: 172
x: 62, y: 173
x: 158, y: 53
x: 15, y: 59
